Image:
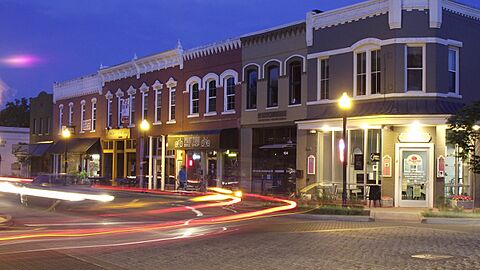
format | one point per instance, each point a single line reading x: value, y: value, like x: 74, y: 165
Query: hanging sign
x: 387, y: 166
x: 311, y: 164
x: 441, y: 166
x: 125, y: 112
x: 86, y: 125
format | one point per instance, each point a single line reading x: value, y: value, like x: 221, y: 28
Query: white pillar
x: 163, y: 174
x: 150, y: 154
x: 155, y: 186
x: 219, y: 168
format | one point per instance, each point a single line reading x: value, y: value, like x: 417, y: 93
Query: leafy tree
x: 463, y: 131
x: 16, y: 114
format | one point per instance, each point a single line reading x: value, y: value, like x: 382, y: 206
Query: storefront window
x: 457, y: 174
x: 194, y: 165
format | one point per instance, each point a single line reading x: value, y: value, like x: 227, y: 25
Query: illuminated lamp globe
x: 66, y: 133
x: 345, y: 102
x: 144, y: 126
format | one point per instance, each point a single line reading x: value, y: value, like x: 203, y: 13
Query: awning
x: 38, y: 149
x: 205, y: 139
x: 77, y: 145
x: 278, y: 146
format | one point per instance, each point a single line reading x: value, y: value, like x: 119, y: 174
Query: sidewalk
x: 397, y: 214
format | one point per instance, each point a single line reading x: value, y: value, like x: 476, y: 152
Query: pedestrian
x: 182, y: 177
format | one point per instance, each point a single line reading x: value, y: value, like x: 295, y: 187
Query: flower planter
x: 462, y: 204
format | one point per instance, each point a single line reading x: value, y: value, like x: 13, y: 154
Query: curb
x: 460, y: 221
x: 333, y: 217
x: 5, y: 221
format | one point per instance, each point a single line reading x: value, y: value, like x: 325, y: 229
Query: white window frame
x: 170, y: 105
x: 207, y: 98
x: 319, y: 77
x: 70, y: 114
x: 82, y: 115
x: 94, y: 115
x: 119, y: 111
x: 144, y: 96
x: 131, y: 109
x: 190, y: 90
x: 60, y: 118
x: 424, y: 66
x: 109, y: 112
x: 158, y: 105
x: 225, y: 95
x: 457, y: 66
x: 368, y: 71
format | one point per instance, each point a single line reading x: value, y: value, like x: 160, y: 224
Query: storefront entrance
x: 414, y: 174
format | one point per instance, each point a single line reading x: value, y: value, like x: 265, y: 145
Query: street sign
x: 375, y: 157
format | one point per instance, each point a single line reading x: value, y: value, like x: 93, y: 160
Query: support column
x: 246, y: 183
x: 219, y: 168
x: 150, y: 154
x: 114, y: 163
x: 162, y: 187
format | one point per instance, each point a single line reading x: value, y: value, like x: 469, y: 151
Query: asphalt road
x: 136, y: 232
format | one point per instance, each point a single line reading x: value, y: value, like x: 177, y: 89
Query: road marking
x: 199, y: 214
x: 91, y: 223
x: 346, y: 230
x: 229, y: 209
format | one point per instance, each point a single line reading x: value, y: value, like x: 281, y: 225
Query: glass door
x: 415, y: 176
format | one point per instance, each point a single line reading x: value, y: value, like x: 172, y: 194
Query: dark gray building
x: 41, y: 137
x: 408, y: 66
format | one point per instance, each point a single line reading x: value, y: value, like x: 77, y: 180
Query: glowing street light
x: 145, y: 126
x: 344, y: 103
x: 66, y: 134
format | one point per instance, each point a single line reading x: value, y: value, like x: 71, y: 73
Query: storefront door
x: 414, y: 175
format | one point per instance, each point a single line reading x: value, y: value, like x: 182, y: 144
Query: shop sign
x: 441, y: 166
x: 375, y: 157
x: 272, y: 116
x: 311, y: 164
x: 125, y: 112
x: 118, y: 134
x: 194, y: 141
x: 387, y: 166
x: 86, y: 125
x: 414, y: 137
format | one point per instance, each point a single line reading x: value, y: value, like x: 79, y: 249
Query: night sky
x: 65, y: 39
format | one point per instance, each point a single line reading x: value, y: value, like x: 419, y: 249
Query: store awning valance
x: 76, y: 145
x: 38, y: 149
x: 205, y: 139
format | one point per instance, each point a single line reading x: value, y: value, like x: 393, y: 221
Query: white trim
x: 93, y: 119
x: 457, y: 66
x: 378, y: 42
x: 83, y: 102
x: 250, y: 110
x: 268, y: 62
x: 190, y: 97
x: 214, y: 48
x: 171, y: 83
x: 272, y: 108
x: 227, y: 74
x: 109, y: 95
x: 210, y: 114
x: 430, y: 177
x: 70, y: 113
x: 144, y: 95
x: 131, y: 90
x: 169, y: 122
x: 210, y: 76
x: 119, y: 93
x: 157, y: 123
x: 319, y: 78
x: 207, y: 95
x: 304, y: 63
x: 294, y: 105
x: 259, y: 69
x: 109, y: 111
x: 424, y: 67
x: 225, y: 96
x: 144, y: 88
x: 170, y: 91
x: 229, y: 112
x: 82, y: 112
x: 157, y: 85
x: 367, y: 49
x: 156, y: 117
x: 192, y: 80
x: 193, y: 115
x: 131, y: 105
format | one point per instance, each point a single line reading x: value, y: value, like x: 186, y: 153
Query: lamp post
x: 145, y: 126
x: 66, y: 134
x: 475, y: 128
x: 345, y: 103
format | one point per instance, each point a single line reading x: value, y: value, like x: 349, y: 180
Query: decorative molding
x: 280, y: 70
x: 82, y: 86
x: 304, y: 63
x: 462, y: 10
x: 94, y: 100
x: 210, y: 76
x: 131, y: 91
x: 273, y: 34
x: 259, y: 69
x: 378, y: 42
x: 119, y: 93
x: 136, y: 67
x: 83, y: 102
x: 144, y: 88
x: 192, y: 80
x: 214, y: 48
x: 70, y: 104
x: 109, y: 95
x: 157, y: 85
x: 228, y: 73
x: 171, y: 83
x: 60, y: 106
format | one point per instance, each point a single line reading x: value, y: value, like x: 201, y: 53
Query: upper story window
x: 229, y: 102
x: 212, y: 96
x: 119, y: 111
x: 272, y: 90
x: 70, y: 114
x: 194, y: 98
x: 94, y: 114
x: 132, y: 109
x: 415, y: 68
x: 453, y: 74
x: 60, y: 117
x: 144, y: 105
x: 295, y: 83
x: 252, y: 77
x: 34, y: 126
x: 172, y: 105
x: 367, y: 72
x: 47, y: 128
x: 158, y: 105
x: 82, y: 115
x: 109, y: 112
x: 323, y: 79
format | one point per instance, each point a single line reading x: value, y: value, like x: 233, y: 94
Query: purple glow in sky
x: 72, y: 38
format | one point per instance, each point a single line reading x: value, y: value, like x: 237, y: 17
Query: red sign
x: 387, y: 166
x: 441, y: 166
x: 311, y: 164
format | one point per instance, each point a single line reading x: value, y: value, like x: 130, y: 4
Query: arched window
x: 295, y: 82
x: 252, y: 76
x: 229, y: 94
x: 272, y: 91
x: 194, y: 98
x: 212, y: 96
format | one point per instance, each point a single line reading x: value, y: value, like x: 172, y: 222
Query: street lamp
x: 145, y: 126
x: 66, y: 134
x: 345, y: 103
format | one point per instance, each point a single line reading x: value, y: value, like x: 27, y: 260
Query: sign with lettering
x: 387, y: 166
x: 125, y: 112
x: 375, y: 157
x: 311, y: 164
x: 207, y: 141
x: 118, y: 134
x: 272, y: 116
x: 86, y: 125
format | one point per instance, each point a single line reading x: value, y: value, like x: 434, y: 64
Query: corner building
x: 408, y: 66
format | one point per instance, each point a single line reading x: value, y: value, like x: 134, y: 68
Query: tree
x: 16, y: 114
x: 463, y: 131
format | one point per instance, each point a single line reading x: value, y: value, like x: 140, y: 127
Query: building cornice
x: 77, y: 87
x: 214, y: 48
